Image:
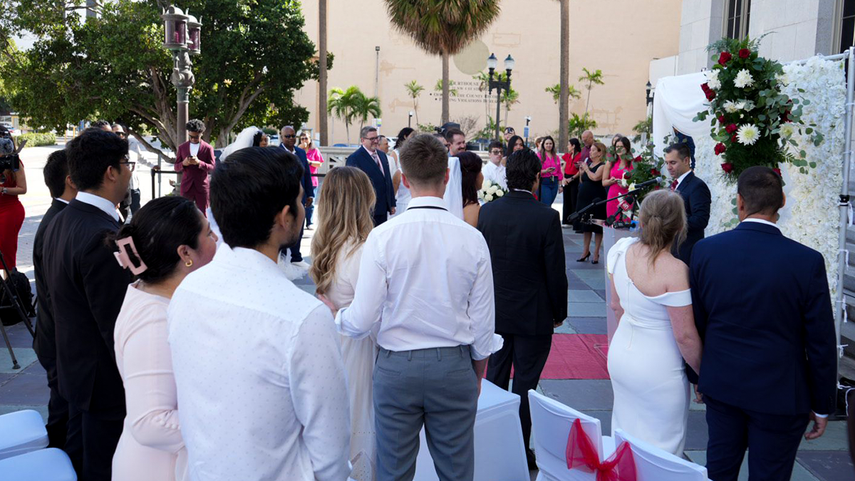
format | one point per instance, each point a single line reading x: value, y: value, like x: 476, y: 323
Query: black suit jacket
x: 697, y: 198
x: 86, y: 288
x: 763, y: 310
x: 44, y: 343
x: 308, y: 188
x: 527, y: 253
x: 382, y: 181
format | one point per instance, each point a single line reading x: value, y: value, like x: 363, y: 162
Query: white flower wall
x: 811, y: 215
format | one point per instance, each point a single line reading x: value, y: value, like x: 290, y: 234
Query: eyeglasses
x: 496, y: 151
x: 372, y: 139
x: 121, y: 134
x: 292, y: 136
x: 131, y: 165
x: 194, y: 137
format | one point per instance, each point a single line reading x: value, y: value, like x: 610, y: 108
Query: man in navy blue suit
x: 287, y: 141
x: 695, y: 193
x: 373, y: 162
x: 763, y: 309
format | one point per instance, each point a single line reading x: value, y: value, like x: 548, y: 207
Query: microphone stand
x: 576, y: 215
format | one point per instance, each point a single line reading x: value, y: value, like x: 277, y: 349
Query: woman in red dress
x: 12, y: 184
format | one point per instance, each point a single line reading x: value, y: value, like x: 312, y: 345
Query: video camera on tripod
x: 9, y: 158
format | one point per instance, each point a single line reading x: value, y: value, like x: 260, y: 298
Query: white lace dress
x: 358, y: 356
x: 651, y: 391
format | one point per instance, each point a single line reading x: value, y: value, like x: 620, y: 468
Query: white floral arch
x: 811, y: 216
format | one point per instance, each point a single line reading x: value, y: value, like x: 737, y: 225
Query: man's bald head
x: 588, y: 138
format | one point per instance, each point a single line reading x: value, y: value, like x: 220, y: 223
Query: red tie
x: 674, y: 184
x: 377, y: 160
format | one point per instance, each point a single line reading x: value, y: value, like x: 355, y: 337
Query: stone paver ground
x: 825, y: 459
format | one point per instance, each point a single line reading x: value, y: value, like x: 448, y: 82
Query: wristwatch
x: 5, y: 191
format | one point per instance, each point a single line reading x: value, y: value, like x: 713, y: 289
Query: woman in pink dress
x: 313, y: 155
x: 166, y: 240
x: 618, y: 168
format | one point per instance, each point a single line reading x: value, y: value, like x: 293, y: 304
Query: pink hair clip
x: 124, y: 259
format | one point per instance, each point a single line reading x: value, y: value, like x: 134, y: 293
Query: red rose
x: 705, y: 87
x: 724, y: 58
x: 744, y: 53
x: 721, y: 119
x: 637, y: 159
x: 734, y: 138
x: 731, y: 128
x: 710, y: 94
x: 654, y: 172
x: 777, y: 171
x: 720, y: 148
x: 727, y: 167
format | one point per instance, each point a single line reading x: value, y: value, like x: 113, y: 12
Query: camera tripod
x: 7, y: 294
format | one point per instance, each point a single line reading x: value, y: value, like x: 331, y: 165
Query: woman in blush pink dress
x: 166, y: 240
x: 618, y: 168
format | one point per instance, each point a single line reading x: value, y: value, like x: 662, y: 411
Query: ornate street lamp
x: 499, y: 85
x: 647, y: 97
x: 182, y: 36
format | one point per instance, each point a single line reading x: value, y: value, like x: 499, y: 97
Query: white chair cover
x: 654, y: 464
x: 550, y: 423
x: 21, y: 432
x: 49, y: 464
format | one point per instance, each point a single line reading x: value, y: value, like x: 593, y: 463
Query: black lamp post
x: 183, y: 34
x: 410, y: 119
x: 647, y: 97
x: 499, y: 85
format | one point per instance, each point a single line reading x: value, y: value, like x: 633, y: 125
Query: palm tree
x: 564, y: 92
x: 555, y: 90
x: 342, y: 104
x: 442, y: 28
x: 451, y: 90
x: 414, y: 90
x: 592, y: 78
x: 364, y: 106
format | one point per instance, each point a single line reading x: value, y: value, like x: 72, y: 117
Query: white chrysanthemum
x: 782, y: 78
x: 743, y: 79
x: 746, y: 105
x: 731, y: 106
x: 712, y: 79
x: 787, y: 130
x: 747, y: 134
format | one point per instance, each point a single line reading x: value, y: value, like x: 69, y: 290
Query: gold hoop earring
x: 189, y: 263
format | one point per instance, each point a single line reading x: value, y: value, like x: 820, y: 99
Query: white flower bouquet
x: 491, y: 191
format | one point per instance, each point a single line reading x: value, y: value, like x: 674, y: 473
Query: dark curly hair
x: 195, y: 125
x: 523, y: 169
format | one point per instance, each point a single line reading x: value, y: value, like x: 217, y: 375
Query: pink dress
x: 314, y: 155
x: 151, y: 446
x: 616, y: 189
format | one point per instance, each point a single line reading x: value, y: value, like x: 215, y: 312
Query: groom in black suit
x: 763, y: 309
x: 695, y: 193
x: 529, y: 279
x: 86, y: 288
x: 373, y: 162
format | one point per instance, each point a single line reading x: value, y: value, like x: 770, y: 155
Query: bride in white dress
x: 344, y: 221
x: 656, y: 328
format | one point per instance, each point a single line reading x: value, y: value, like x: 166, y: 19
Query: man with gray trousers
x: 426, y: 287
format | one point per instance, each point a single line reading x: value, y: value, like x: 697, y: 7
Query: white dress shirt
x: 259, y: 374
x: 426, y: 278
x: 105, y: 205
x: 496, y: 173
x: 681, y: 178
x: 761, y: 221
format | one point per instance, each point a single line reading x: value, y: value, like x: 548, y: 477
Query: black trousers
x: 771, y: 439
x: 527, y: 355
x: 91, y: 443
x: 57, y: 424
x: 571, y: 191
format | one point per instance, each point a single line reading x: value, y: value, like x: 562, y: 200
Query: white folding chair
x: 21, y: 432
x: 550, y: 423
x: 654, y: 464
x: 49, y: 464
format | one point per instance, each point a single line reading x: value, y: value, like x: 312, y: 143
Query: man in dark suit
x: 63, y: 191
x: 527, y: 253
x: 288, y: 141
x: 195, y: 158
x: 696, y: 197
x: 763, y: 309
x: 85, y: 289
x: 373, y: 162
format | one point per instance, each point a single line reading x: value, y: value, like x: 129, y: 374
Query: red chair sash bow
x: 582, y: 454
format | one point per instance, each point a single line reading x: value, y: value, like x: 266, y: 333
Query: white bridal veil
x: 243, y: 140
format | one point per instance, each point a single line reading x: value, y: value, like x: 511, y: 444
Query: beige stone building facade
x: 619, y: 37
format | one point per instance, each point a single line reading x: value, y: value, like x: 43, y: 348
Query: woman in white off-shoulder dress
x: 656, y: 328
x: 344, y: 215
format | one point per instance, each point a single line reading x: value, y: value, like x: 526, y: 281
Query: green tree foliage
x: 555, y: 90
x: 255, y: 54
x: 591, y: 79
x: 414, y: 90
x: 577, y: 125
x: 350, y: 105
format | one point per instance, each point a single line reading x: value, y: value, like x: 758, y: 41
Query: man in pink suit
x: 196, y: 160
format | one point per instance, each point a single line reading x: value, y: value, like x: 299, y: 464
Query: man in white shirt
x: 425, y: 282
x: 493, y: 170
x: 256, y: 360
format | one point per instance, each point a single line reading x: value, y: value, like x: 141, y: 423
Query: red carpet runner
x: 577, y: 356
